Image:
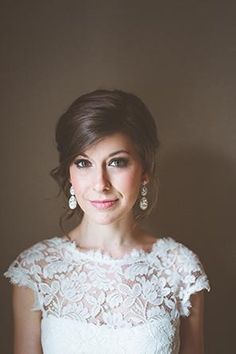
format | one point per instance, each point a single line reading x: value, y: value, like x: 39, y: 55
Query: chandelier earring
x: 72, y: 200
x: 143, y: 203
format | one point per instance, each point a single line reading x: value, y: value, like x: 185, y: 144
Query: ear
x: 145, y: 178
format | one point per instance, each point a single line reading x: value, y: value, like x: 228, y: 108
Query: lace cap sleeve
x: 26, y: 270
x: 192, y: 278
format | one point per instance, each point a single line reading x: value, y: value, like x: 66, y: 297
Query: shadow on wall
x: 197, y: 207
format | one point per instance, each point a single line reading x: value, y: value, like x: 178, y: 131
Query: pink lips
x: 103, y: 204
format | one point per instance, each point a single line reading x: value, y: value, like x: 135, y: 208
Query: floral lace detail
x: 91, y: 302
x: 93, y: 287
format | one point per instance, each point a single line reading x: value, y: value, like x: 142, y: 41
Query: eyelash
x: 84, y: 162
x: 120, y: 162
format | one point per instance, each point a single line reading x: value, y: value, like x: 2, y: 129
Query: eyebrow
x: 110, y: 155
x: 118, y: 152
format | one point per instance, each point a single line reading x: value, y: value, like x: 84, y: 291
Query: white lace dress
x: 92, y: 303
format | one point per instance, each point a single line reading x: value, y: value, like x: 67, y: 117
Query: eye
x: 82, y: 163
x: 119, y: 162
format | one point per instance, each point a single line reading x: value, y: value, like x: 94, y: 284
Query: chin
x: 107, y: 219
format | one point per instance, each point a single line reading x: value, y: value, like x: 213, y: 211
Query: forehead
x: 112, y: 143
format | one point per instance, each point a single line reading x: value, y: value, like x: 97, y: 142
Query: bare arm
x: 26, y: 322
x: 191, y: 327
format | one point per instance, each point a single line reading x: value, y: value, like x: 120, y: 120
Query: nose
x: 101, y: 181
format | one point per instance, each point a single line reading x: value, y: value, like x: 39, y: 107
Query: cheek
x: 77, y: 182
x: 80, y: 186
x: 130, y: 183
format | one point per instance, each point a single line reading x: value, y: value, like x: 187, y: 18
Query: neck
x: 123, y: 233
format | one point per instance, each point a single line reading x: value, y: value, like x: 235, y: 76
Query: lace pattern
x: 92, y: 287
x: 92, y: 303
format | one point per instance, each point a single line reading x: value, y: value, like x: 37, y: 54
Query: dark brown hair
x: 96, y: 115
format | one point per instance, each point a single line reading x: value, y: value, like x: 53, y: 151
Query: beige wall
x: 180, y: 58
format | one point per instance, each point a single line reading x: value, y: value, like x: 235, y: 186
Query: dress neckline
x: 100, y: 255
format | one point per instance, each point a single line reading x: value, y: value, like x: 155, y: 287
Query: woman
x: 108, y: 286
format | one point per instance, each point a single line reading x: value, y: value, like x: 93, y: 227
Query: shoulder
x: 38, y: 251
x: 28, y: 266
x: 36, y: 267
x: 173, y: 249
x: 186, y: 270
x: 182, y: 262
x: 168, y: 246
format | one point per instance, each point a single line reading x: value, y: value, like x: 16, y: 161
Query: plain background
x: 179, y: 57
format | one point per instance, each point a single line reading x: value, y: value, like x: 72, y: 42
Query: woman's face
x: 107, y: 178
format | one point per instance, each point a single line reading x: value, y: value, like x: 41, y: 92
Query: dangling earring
x: 72, y: 200
x: 143, y: 203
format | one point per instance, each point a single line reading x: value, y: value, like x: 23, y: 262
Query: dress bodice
x: 93, y: 303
